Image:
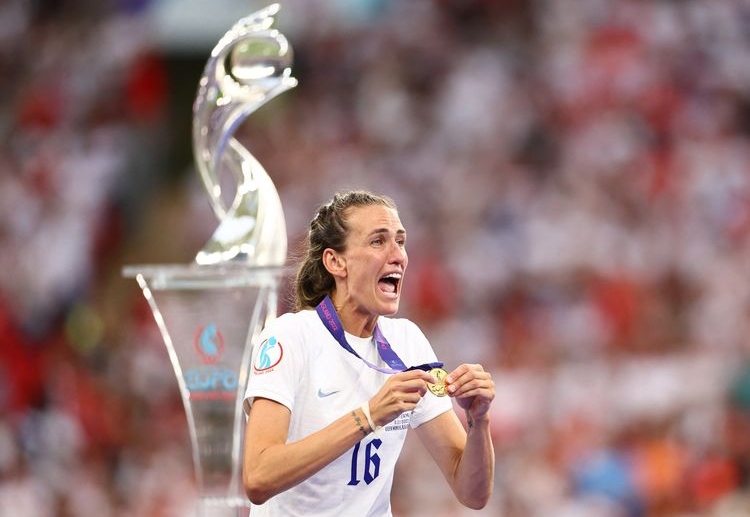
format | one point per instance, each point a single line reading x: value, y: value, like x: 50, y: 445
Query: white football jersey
x: 299, y: 364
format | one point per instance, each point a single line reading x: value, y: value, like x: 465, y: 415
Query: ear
x: 334, y: 263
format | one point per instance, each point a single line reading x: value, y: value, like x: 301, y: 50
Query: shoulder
x: 287, y: 335
x: 291, y: 321
x: 291, y: 327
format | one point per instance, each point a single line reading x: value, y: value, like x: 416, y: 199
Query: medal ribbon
x: 330, y: 319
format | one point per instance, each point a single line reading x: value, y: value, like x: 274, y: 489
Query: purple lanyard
x: 331, y: 320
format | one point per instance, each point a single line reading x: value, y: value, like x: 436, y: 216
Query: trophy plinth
x: 209, y: 318
x: 211, y: 312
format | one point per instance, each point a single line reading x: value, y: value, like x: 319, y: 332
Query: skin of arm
x: 466, y: 459
x: 271, y: 465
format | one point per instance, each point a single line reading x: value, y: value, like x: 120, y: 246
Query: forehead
x: 370, y: 218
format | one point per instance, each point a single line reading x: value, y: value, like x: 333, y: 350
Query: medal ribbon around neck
x: 330, y: 319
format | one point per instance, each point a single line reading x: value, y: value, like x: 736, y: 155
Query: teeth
x: 397, y: 276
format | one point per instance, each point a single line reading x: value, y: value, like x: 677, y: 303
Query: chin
x: 391, y: 307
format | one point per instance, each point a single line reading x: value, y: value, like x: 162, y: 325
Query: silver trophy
x: 251, y: 228
x: 211, y: 312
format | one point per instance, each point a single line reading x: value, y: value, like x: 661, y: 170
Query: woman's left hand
x: 473, y: 389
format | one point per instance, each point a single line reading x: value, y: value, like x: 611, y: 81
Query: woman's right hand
x: 400, y: 393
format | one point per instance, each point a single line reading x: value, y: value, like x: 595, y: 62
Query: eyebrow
x: 380, y: 231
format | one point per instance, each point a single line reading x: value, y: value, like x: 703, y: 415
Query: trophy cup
x: 211, y: 312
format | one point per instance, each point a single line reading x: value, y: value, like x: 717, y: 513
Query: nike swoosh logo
x: 322, y: 394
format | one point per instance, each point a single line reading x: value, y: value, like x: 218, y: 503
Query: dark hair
x: 328, y: 229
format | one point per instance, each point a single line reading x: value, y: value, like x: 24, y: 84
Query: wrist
x: 373, y: 426
x: 359, y: 423
x: 477, y: 421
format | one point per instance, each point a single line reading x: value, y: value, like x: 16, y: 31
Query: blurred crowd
x: 574, y: 177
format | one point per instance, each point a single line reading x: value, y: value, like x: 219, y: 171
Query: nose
x: 398, y: 254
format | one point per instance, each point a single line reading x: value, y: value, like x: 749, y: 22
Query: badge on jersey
x: 269, y: 355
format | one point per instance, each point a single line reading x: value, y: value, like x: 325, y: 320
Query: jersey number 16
x: 371, y: 463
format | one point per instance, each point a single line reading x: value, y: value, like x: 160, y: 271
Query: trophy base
x: 223, y: 507
x: 208, y: 317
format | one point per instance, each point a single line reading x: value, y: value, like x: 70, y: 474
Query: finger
x: 466, y: 373
x: 413, y: 374
x: 456, y: 373
x: 415, y: 386
x: 404, y: 401
x: 407, y: 384
x: 462, y: 371
x: 472, y: 389
x: 467, y: 383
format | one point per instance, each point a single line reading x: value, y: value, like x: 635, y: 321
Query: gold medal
x: 438, y: 389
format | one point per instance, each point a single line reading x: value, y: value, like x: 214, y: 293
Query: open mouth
x: 389, y: 283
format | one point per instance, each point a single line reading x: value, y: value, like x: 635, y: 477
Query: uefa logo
x: 210, y: 381
x: 209, y: 343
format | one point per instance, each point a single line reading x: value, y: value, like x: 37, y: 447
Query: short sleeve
x: 276, y: 363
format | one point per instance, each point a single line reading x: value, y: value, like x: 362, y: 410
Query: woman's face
x: 374, y: 260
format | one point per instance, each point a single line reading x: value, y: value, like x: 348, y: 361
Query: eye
x: 376, y: 241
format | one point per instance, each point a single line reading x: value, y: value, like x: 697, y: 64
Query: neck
x: 355, y: 322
